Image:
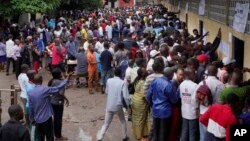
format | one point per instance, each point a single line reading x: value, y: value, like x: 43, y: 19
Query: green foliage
x: 30, y: 6
x: 11, y: 7
x: 80, y: 4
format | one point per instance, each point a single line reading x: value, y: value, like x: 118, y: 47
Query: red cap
x: 201, y: 58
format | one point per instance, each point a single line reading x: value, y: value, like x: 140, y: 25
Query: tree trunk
x: 112, y: 4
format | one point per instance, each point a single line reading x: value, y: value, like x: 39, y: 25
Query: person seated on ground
x: 13, y: 130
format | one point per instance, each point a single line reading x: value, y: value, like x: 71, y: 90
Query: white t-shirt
x: 134, y: 73
x: 129, y: 21
x: 109, y: 31
x: 23, y: 80
x: 10, y: 48
x: 150, y: 64
x: 128, y: 74
x: 57, y: 33
x: 100, y: 30
x: 40, y: 30
x: 132, y: 29
x: 99, y: 47
x: 86, y: 45
x: 188, y: 101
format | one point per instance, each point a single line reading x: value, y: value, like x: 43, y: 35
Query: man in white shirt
x: 129, y: 20
x: 189, y: 106
x: 153, y: 54
x: 215, y: 86
x: 40, y: 30
x: 109, y: 31
x: 100, y: 30
x: 9, y: 53
x: 117, y: 92
x: 23, y: 81
x: 99, y: 46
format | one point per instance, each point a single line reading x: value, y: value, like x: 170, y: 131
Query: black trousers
x: 9, y: 60
x: 18, y: 64
x: 45, y: 129
x: 58, y: 114
x: 161, y: 129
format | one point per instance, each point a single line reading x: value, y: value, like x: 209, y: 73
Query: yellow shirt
x: 84, y: 33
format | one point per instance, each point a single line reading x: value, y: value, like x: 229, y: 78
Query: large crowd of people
x: 172, y: 83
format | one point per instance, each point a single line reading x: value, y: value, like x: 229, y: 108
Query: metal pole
x: 15, y: 96
x: 12, y: 95
x: 0, y: 108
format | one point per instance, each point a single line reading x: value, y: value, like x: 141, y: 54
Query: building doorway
x: 187, y: 20
x: 238, y: 51
x: 201, y: 24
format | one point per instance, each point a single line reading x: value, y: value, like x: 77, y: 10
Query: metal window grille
x: 217, y: 10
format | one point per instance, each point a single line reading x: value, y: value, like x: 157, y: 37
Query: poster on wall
x: 202, y: 6
x: 240, y: 17
x: 205, y: 38
x: 186, y: 10
x: 224, y: 49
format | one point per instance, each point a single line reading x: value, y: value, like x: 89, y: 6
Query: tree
x: 80, y: 4
x: 112, y: 3
x: 10, y: 7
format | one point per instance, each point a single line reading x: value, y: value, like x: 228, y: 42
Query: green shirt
x: 241, y: 92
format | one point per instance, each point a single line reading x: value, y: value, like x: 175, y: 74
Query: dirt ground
x: 82, y: 119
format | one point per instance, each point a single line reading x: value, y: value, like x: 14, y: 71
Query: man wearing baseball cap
x: 153, y: 54
x: 227, y: 62
x: 203, y: 59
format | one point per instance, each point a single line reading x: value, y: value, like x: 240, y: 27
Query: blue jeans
x: 202, y: 131
x: 105, y: 75
x: 189, y: 129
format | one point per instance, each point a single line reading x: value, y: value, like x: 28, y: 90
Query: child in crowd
x: 13, y: 130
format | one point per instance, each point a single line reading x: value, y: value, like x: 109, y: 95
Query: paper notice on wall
x: 202, y: 6
x: 230, y: 37
x: 205, y: 38
x: 186, y: 9
x: 240, y: 17
x: 224, y: 49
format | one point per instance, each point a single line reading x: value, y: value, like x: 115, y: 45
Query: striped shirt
x: 150, y: 79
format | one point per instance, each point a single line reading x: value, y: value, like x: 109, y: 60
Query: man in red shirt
x: 219, y: 118
x: 58, y: 53
x: 92, y: 69
x: 104, y: 26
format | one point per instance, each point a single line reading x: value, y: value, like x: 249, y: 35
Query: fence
x: 11, y: 94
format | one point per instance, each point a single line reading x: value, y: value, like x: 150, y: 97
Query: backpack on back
x: 204, y: 95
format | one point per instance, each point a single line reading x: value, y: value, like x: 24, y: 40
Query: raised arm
x: 216, y: 42
x: 56, y: 89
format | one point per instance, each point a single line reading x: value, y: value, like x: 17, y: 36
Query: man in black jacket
x: 13, y: 130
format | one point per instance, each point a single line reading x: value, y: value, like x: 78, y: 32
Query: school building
x: 218, y: 13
